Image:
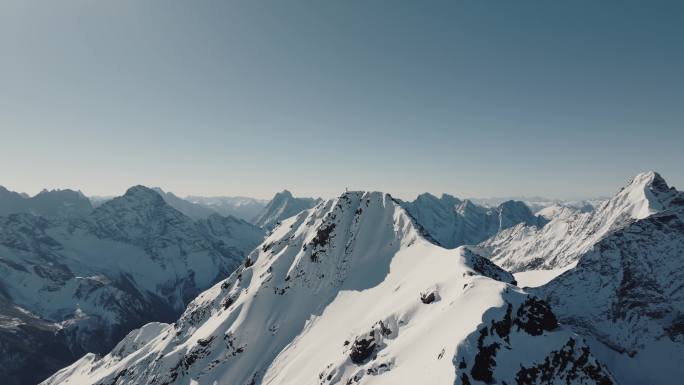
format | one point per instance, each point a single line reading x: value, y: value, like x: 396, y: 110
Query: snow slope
x: 567, y: 236
x: 452, y: 222
x: 350, y: 292
x: 94, y: 278
x: 282, y: 206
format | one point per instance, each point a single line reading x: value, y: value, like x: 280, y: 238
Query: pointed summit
x: 285, y: 193
x: 566, y: 237
x: 282, y: 206
x: 142, y: 192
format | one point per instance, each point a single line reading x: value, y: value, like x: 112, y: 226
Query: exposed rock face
x: 483, y: 356
x: 451, y: 222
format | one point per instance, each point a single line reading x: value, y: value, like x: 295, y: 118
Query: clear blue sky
x: 473, y: 98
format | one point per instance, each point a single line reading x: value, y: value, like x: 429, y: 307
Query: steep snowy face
x: 349, y: 292
x: 52, y: 203
x: 132, y: 260
x: 282, y: 206
x: 634, y: 279
x: 452, y: 222
x: 560, y: 242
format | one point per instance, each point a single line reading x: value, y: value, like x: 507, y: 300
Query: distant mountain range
x: 265, y: 214
x: 75, y: 281
x: 60, y: 203
x: 452, y: 222
x: 239, y: 207
x: 360, y: 289
x: 538, y: 203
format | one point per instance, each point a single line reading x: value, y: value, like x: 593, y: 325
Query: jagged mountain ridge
x: 51, y: 203
x: 635, y: 279
x: 615, y: 276
x: 282, y: 206
x: 452, y: 222
x: 561, y: 241
x: 350, y: 292
x: 95, y: 277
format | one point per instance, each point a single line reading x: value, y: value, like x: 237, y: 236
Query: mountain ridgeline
x: 360, y: 289
x: 452, y: 222
x: 350, y: 292
x: 78, y: 283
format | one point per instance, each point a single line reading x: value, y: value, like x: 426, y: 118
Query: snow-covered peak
x: 282, y: 206
x: 468, y: 207
x: 445, y: 200
x: 140, y: 193
x: 571, y: 233
x: 451, y: 222
x: 285, y: 194
x: 647, y: 193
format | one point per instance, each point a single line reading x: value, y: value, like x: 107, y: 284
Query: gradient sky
x: 474, y: 98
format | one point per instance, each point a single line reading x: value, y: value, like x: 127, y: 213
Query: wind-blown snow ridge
x: 349, y: 292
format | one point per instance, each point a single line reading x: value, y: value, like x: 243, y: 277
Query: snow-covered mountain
x: 51, y: 203
x: 282, y: 206
x: 559, y: 243
x: 620, y: 277
x: 561, y: 211
x: 453, y: 222
x: 91, y: 279
x: 239, y: 207
x: 634, y: 279
x: 537, y: 204
x: 349, y: 292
